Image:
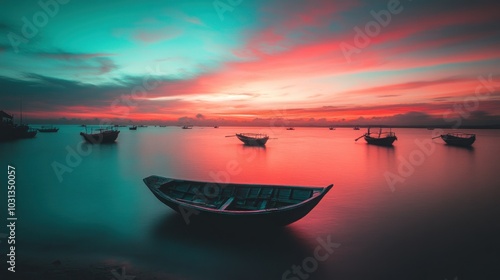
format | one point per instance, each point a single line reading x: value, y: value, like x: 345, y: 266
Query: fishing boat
x: 48, y: 129
x: 459, y: 139
x: 134, y: 127
x: 253, y: 139
x: 186, y: 127
x: 100, y: 135
x: 380, y: 138
x: 241, y: 204
x: 11, y: 131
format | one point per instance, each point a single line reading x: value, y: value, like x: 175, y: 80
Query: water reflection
x: 262, y: 253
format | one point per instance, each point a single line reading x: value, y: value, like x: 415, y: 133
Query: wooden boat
x: 48, y: 129
x: 459, y: 139
x: 186, y: 127
x: 253, y: 139
x: 134, y: 127
x: 241, y: 204
x: 379, y: 138
x: 11, y: 131
x: 100, y: 135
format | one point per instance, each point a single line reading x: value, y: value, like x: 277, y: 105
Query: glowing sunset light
x: 169, y: 61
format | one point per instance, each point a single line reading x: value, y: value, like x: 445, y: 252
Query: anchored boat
x: 48, y: 129
x: 380, y: 138
x: 241, y: 204
x: 100, y: 135
x: 458, y: 139
x: 253, y: 139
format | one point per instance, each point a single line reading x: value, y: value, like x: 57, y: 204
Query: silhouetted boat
x: 379, y: 138
x: 290, y: 128
x: 100, y: 135
x: 186, y: 127
x: 331, y: 128
x: 134, y: 127
x: 253, y: 139
x: 48, y: 129
x: 241, y: 204
x: 459, y: 139
x: 356, y: 128
x: 11, y: 131
x: 163, y: 126
x: 216, y: 126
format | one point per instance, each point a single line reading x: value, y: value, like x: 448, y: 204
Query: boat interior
x: 236, y: 197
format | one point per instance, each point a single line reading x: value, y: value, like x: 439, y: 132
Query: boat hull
x: 458, y: 141
x: 251, y: 141
x: 385, y: 141
x: 102, y: 137
x: 279, y: 216
x: 46, y: 130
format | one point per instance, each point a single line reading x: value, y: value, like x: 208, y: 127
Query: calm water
x: 437, y: 220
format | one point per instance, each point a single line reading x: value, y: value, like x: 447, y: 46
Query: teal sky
x: 243, y: 60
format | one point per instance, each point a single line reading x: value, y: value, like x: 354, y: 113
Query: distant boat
x: 142, y: 125
x: 430, y: 128
x: 379, y: 138
x: 186, y: 127
x: 290, y: 128
x: 216, y: 126
x: 356, y: 128
x: 237, y: 204
x: 331, y: 128
x: 253, y: 139
x: 100, y: 135
x: 134, y: 127
x: 458, y: 139
x: 163, y: 126
x: 48, y: 129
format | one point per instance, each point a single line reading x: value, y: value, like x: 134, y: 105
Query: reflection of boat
x: 11, y: 131
x: 253, y: 139
x: 134, y: 127
x: 186, y: 127
x: 290, y: 128
x: 379, y: 138
x: 48, y: 129
x: 100, y: 135
x: 240, y: 204
x: 459, y: 139
x: 356, y: 128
